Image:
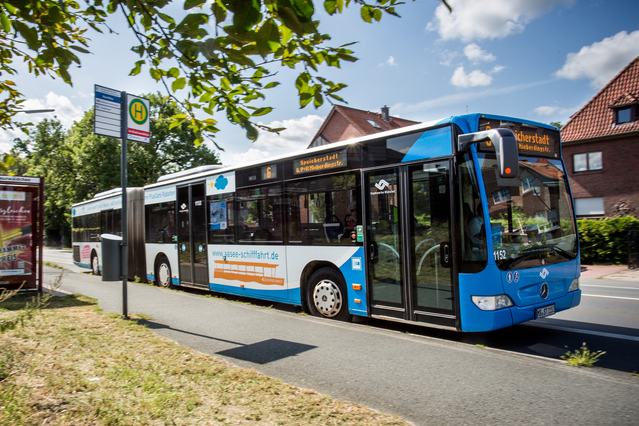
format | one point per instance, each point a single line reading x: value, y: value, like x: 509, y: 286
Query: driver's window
x: 473, y: 235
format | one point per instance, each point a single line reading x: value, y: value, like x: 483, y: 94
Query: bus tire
x: 163, y: 273
x: 95, y: 264
x: 326, y: 295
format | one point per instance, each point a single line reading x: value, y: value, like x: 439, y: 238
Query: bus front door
x: 192, y: 235
x: 409, y: 243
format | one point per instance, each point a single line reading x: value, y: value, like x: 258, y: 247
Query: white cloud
x: 65, y: 111
x: 476, y: 54
x: 472, y: 79
x: 447, y: 57
x: 390, y: 62
x: 465, y: 96
x: 297, y: 135
x: 487, y: 19
x: 497, y: 69
x: 602, y: 60
x: 552, y: 110
x: 251, y: 156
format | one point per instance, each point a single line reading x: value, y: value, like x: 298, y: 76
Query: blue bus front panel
x: 524, y: 287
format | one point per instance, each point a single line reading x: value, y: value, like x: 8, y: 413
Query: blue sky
x: 541, y: 60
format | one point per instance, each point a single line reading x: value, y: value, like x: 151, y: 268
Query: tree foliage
x: 227, y: 72
x: 78, y: 164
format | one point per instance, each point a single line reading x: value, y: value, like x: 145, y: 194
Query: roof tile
x: 595, y: 119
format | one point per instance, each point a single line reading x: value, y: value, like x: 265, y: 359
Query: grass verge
x: 74, y: 365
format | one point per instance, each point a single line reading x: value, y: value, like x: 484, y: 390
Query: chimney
x: 385, y: 114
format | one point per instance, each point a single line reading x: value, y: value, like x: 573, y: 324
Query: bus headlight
x: 492, y: 303
x: 574, y: 286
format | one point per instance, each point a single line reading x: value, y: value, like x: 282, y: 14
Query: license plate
x: 545, y: 311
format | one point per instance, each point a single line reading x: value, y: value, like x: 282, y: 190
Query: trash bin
x: 111, y: 257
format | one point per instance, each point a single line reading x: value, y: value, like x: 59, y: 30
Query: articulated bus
x: 466, y: 223
x: 103, y: 215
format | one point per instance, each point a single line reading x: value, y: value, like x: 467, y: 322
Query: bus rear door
x: 409, y: 243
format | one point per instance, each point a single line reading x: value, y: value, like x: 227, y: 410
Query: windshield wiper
x: 535, y: 250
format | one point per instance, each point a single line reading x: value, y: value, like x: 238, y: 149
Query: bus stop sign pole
x: 118, y: 114
x: 123, y: 170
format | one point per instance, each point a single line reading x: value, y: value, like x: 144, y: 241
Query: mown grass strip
x: 75, y: 365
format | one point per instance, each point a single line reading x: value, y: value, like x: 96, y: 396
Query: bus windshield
x: 531, y: 217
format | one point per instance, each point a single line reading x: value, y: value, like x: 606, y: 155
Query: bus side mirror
x: 505, y: 145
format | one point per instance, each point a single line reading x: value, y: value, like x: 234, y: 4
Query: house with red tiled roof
x: 344, y: 123
x: 600, y: 145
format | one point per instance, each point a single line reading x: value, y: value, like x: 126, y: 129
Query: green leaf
x: 6, y: 24
x: 367, y: 13
x: 305, y: 98
x: 80, y: 49
x: 330, y: 6
x: 174, y: 72
x: 268, y: 38
x: 178, y: 84
x: 219, y: 11
x: 156, y: 74
x: 29, y: 34
x: 166, y: 18
x: 251, y: 132
x: 191, y: 22
x: 138, y: 67
x: 189, y: 4
x: 272, y: 84
x: 262, y: 111
x: 246, y: 14
x: 304, y: 9
x: 291, y: 20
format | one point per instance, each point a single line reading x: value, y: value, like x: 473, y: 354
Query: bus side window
x: 259, y: 214
x: 324, y: 207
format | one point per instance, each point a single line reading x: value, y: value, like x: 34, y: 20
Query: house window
x: 589, y: 206
x: 373, y: 123
x: 527, y: 184
x: 587, y: 161
x: 501, y: 196
x: 624, y: 115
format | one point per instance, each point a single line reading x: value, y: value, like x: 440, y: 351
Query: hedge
x: 605, y: 240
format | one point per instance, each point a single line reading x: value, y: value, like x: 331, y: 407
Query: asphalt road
x: 426, y: 379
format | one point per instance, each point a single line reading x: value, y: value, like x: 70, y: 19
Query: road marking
x: 611, y: 297
x: 605, y: 286
x: 590, y: 332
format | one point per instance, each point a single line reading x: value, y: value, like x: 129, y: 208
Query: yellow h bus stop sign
x: 138, y: 123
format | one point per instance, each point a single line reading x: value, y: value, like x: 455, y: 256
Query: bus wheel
x: 326, y: 295
x: 95, y: 266
x: 163, y: 272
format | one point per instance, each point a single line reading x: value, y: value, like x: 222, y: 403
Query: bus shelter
x: 21, y: 232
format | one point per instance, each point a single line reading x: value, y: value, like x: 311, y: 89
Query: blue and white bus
x: 466, y: 223
x: 103, y: 215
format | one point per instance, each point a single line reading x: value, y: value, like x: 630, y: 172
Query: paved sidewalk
x: 610, y: 272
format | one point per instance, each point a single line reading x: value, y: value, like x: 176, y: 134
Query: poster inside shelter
x: 17, y: 251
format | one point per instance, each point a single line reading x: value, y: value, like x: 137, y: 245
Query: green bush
x: 605, y: 240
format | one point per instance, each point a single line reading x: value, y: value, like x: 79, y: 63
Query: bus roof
x: 465, y: 122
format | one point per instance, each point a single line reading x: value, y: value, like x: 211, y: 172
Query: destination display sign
x: 269, y: 172
x: 320, y: 163
x: 532, y: 141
